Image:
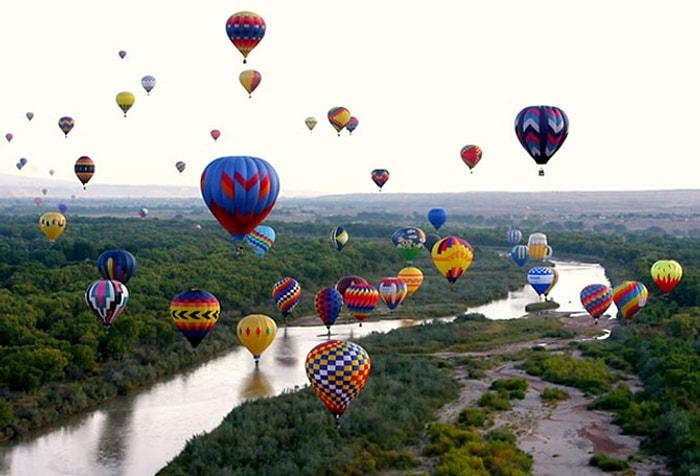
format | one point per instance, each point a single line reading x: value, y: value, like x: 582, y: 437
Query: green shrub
x: 607, y: 464
x: 618, y: 398
x: 472, y: 417
x: 495, y: 401
x: 512, y: 387
x: 553, y: 394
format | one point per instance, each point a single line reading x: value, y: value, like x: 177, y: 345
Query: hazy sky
x: 423, y: 82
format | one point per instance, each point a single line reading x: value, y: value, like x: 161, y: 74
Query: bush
x: 472, y: 417
x: 513, y: 387
x: 607, y: 464
x: 495, y: 401
x: 552, y: 394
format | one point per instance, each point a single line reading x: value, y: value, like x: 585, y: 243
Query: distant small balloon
x: 180, y: 166
x: 66, y: 124
x: 51, y: 172
x: 352, y: 124
x: 311, y: 122
x: 125, y: 100
x: 143, y: 212
x: 122, y: 54
x: 148, y: 82
x: 215, y: 134
x: 250, y: 79
x: 30, y: 115
x: 9, y: 136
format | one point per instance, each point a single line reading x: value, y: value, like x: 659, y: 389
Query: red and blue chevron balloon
x: 361, y: 299
x: 245, y: 30
x: 541, y: 130
x: 119, y: 265
x: 261, y: 239
x: 380, y: 177
x: 337, y: 371
x: 107, y: 299
x: 240, y: 192
x: 286, y: 292
x: 195, y: 312
x: 328, y: 303
x: 596, y: 299
x: 630, y: 297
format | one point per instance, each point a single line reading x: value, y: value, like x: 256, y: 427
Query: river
x: 137, y: 435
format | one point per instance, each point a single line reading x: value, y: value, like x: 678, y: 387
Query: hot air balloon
x: 352, y: 124
x: 514, y: 236
x: 430, y: 240
x: 452, y: 256
x: 38, y: 201
x: 471, y: 155
x: 9, y: 136
x: 107, y: 299
x: 125, y: 100
x: 195, y: 312
x: 328, y: 302
x: 180, y: 166
x: 520, y: 254
x: 630, y: 297
x: 413, y: 277
x: 337, y: 371
x: 215, y: 134
x: 380, y: 177
x: 143, y: 211
x: 339, y: 118
x: 44, y: 191
x: 62, y: 207
x: 666, y: 273
x: 119, y: 265
x: 52, y: 224
x: 339, y: 237
x: 310, y: 122
x: 240, y: 192
x: 437, y: 217
x: 392, y: 290
x: 84, y: 169
x: 261, y: 239
x: 346, y: 281
x: 555, y: 280
x: 66, y: 124
x: 596, y: 299
x: 122, y: 54
x: 540, y: 278
x: 51, y: 172
x: 538, y: 248
x: 22, y: 162
x: 250, y: 80
x: 286, y: 292
x: 541, y: 130
x: 409, y: 242
x: 256, y: 332
x: 30, y: 116
x: 245, y: 30
x: 361, y: 299
x: 148, y: 82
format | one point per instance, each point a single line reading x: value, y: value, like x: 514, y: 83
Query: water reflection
x: 286, y: 353
x: 111, y: 448
x: 256, y: 385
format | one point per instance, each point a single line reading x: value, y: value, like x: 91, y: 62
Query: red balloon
x: 215, y: 134
x: 471, y: 155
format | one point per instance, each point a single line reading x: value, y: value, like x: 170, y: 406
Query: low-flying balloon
x: 437, y: 217
x: 311, y: 122
x: 256, y: 332
x: 286, y: 292
x: 352, y: 124
x: 38, y: 201
x: 148, y: 82
x: 361, y: 299
x: 195, y: 312
x: 413, y: 277
x: 430, y: 240
x: 392, y: 290
x: 240, y: 192
x: 346, y: 281
x: 540, y: 278
x: 666, y: 273
x: 125, y: 100
x: 62, y: 207
x: 339, y: 237
x: 261, y: 239
x: 513, y: 235
x: 339, y: 118
x: 52, y: 225
x: 380, y: 177
x: 471, y: 155
x: 107, y: 299
x: 328, y: 303
x: 117, y: 264
x: 452, y: 256
x: 554, y: 282
x: 245, y: 30
x: 630, y: 297
x: 66, y: 124
x: 250, y: 79
x: 84, y: 169
x: 541, y: 130
x: 520, y: 255
x: 408, y: 241
x: 596, y: 299
x: 143, y: 211
x: 180, y: 166
x: 538, y: 248
x: 215, y: 134
x: 337, y: 371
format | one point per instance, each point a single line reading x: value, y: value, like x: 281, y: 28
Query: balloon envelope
x: 250, y: 79
x: 84, y: 169
x: 452, y: 256
x: 393, y: 291
x: 30, y: 115
x: 540, y: 278
x: 514, y: 236
x: 261, y: 239
x: 62, y: 207
x: 352, y: 124
x: 339, y: 237
x: 666, y: 273
x: 437, y: 217
x: 346, y: 281
x: 122, y: 54
x: 311, y: 122
x: 215, y: 134
x: 240, y: 192
x: 52, y: 224
x: 245, y: 30
x: 107, y: 299
x: 520, y: 255
x: 256, y: 332
x: 328, y: 302
x: 630, y: 297
x: 180, y: 166
x: 380, y: 177
x: 125, y: 100
x: 430, y: 240
x: 538, y: 248
x: 66, y: 124
x: 119, y: 265
x: 361, y: 299
x: 337, y: 371
x: 541, y: 130
x: 148, y: 82
x: 143, y: 211
x: 408, y: 241
x: 413, y: 277
x: 471, y: 155
x: 286, y: 292
x: 195, y: 312
x: 339, y: 118
x: 596, y: 299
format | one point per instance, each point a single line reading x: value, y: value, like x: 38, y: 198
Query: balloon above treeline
x: 541, y: 130
x: 52, y: 224
x: 256, y: 332
x: 245, y: 30
x: 339, y: 237
x: 437, y: 217
x: 261, y: 239
x: 240, y: 192
x: 392, y: 290
x: 286, y: 292
x: 84, y: 169
x: 107, y: 299
x: 666, y: 273
x: 471, y: 155
x: 195, y: 312
x: 630, y: 297
x: 408, y: 242
x: 361, y: 299
x: 596, y: 299
x: 119, y: 265
x: 328, y: 303
x: 380, y: 177
x: 513, y: 235
x: 452, y: 256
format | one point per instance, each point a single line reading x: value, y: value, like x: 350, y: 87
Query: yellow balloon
x: 52, y: 224
x: 125, y: 100
x: 310, y: 122
x: 452, y: 256
x: 413, y: 277
x: 256, y: 332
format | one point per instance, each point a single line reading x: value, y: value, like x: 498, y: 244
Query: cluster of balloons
x: 340, y: 118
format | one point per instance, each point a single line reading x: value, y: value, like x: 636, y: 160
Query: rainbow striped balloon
x: 361, y: 299
x: 596, y: 299
x: 630, y: 297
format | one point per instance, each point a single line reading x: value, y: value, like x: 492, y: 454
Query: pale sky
x: 423, y: 80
